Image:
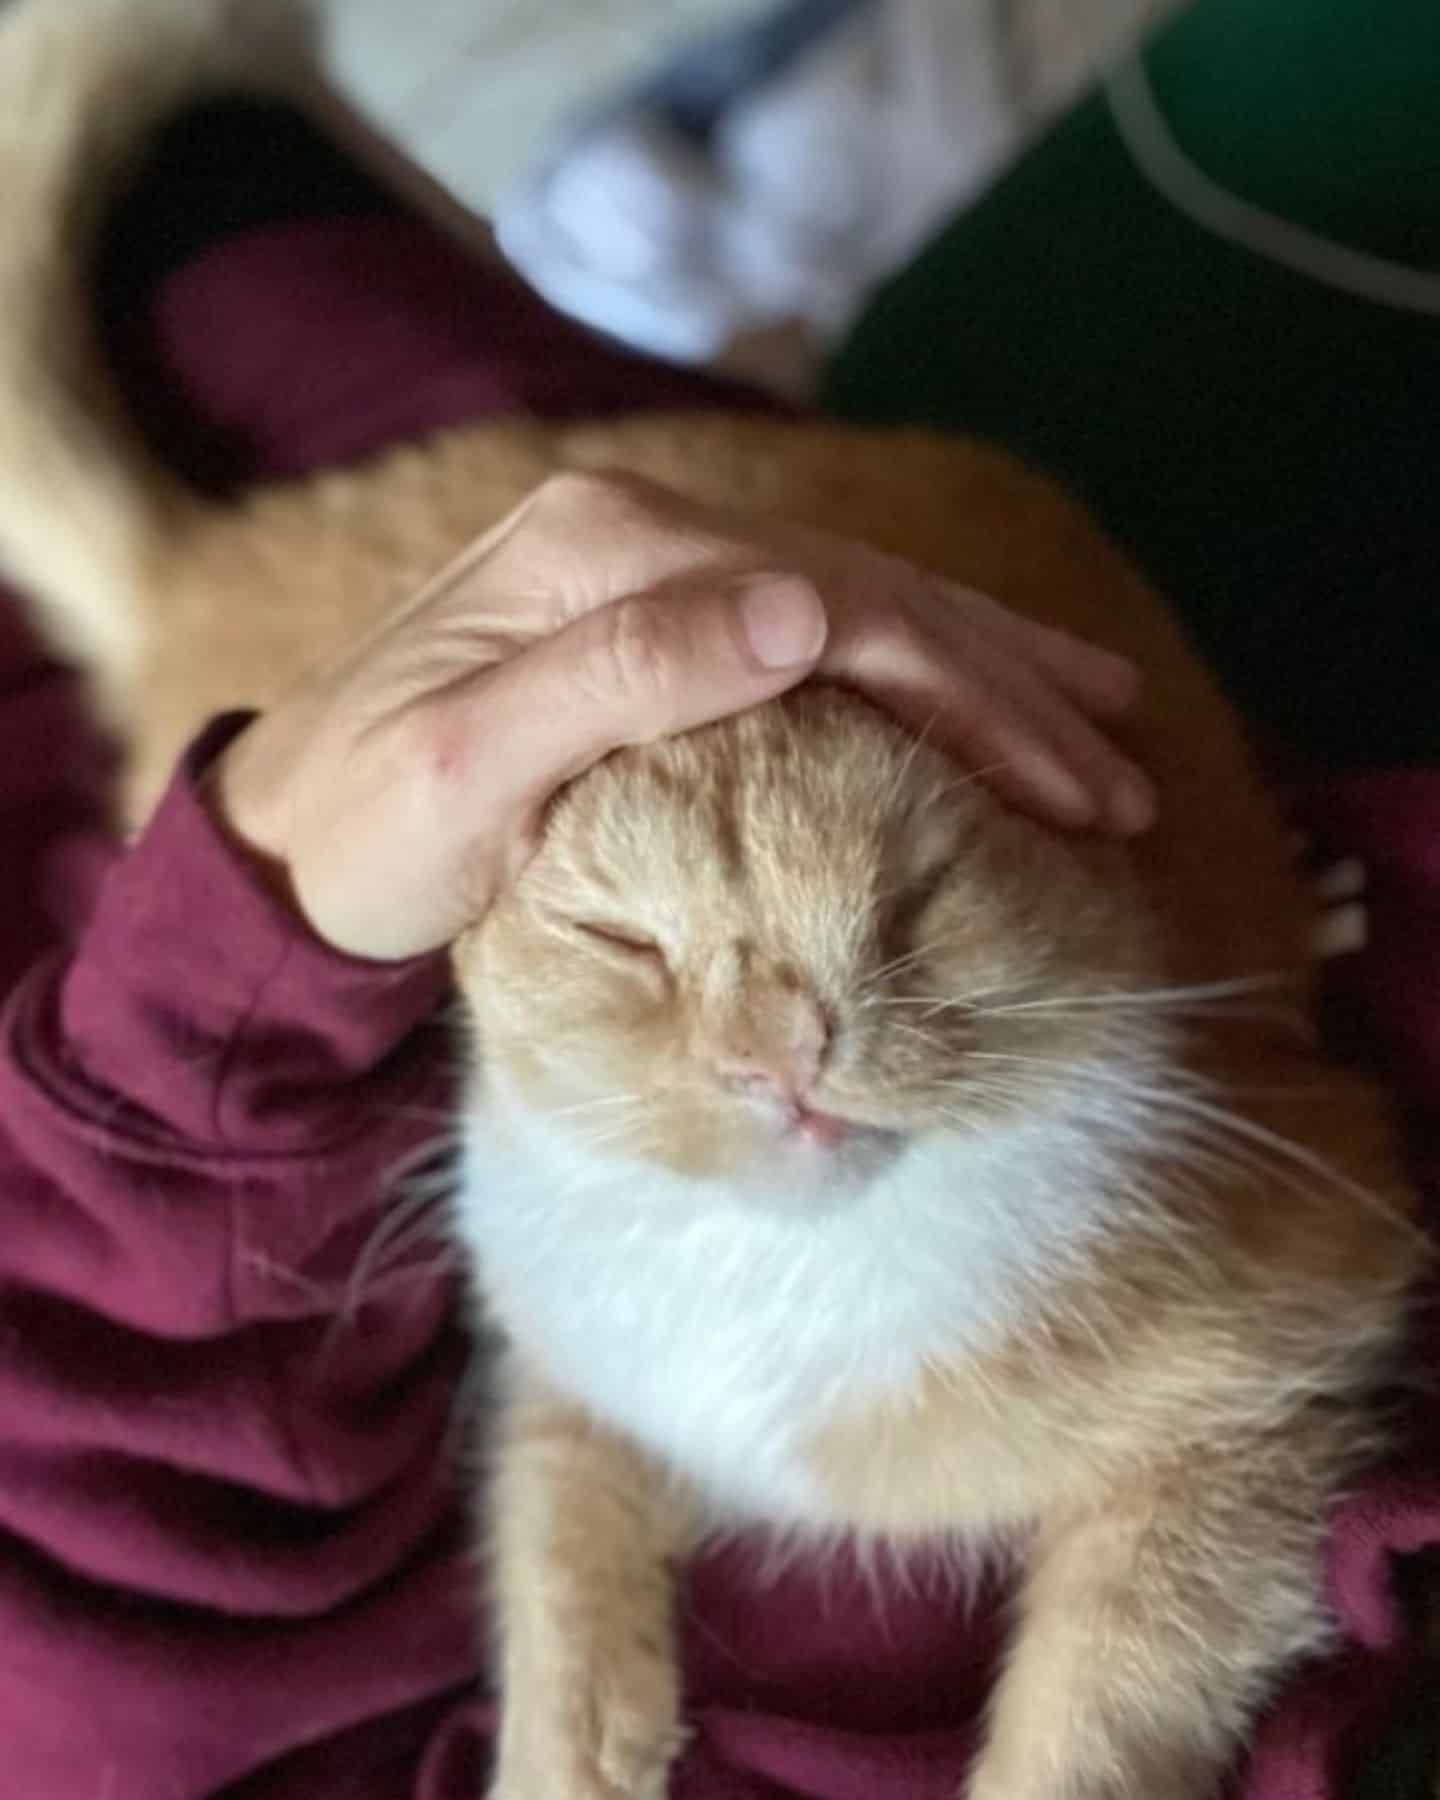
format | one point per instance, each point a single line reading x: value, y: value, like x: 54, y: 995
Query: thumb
x: 646, y: 667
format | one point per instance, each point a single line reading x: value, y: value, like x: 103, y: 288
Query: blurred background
x: 476, y: 89
x: 1199, y: 283
x: 684, y: 173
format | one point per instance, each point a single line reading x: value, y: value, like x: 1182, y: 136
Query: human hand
x: 397, y: 788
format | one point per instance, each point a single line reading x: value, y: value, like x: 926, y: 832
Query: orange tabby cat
x: 1097, y: 1260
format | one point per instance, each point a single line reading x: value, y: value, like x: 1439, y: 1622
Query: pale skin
x: 393, y: 792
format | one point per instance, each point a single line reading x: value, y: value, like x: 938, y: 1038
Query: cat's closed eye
x: 619, y: 939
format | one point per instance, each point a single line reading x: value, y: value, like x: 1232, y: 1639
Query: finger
x: 644, y: 667
x: 1105, y: 683
x: 1023, y: 694
x: 905, y: 670
x: 461, y: 570
x: 1122, y: 795
x: 583, y: 540
x: 1032, y: 747
x: 1024, y: 702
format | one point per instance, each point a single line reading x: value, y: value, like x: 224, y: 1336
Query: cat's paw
x: 612, y: 1735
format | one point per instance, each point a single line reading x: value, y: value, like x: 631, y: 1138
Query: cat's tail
x: 85, y: 510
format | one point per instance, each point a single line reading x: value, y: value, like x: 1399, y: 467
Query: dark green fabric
x: 1270, y: 449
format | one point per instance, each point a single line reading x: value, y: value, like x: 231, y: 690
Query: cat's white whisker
x: 603, y: 1103
x: 1184, y: 1098
x: 984, y: 1335
x: 414, y: 1217
x: 933, y: 1002
x: 1162, y: 998
x: 907, y: 763
x: 972, y: 777
x: 423, y: 1115
x: 896, y: 965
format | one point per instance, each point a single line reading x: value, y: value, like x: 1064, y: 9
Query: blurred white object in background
x: 806, y: 186
x: 805, y: 190
x: 475, y: 90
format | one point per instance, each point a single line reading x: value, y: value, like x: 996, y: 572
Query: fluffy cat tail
x: 85, y: 511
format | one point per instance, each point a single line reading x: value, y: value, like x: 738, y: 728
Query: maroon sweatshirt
x: 212, y: 1471
x: 234, y: 1557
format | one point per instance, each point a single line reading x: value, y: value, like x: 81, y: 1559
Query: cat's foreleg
x: 584, y: 1536
x: 1150, y: 1631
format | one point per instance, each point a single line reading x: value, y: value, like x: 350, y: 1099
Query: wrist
x: 239, y: 791
x: 210, y: 1007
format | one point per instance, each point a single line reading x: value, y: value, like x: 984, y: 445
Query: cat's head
x: 780, y: 948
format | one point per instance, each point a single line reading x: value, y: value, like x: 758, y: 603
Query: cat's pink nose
x: 782, y: 1063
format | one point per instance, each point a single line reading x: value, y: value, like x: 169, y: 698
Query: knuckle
x: 631, y: 660
x: 894, y: 638
x: 427, y: 742
x: 595, y: 498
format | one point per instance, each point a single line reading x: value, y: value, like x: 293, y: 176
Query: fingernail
x: 1132, y: 806
x: 784, y: 623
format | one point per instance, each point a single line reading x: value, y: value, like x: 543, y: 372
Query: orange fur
x: 1164, y: 1411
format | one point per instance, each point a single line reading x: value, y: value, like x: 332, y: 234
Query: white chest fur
x: 722, y: 1333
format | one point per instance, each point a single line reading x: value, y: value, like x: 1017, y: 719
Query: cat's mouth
x: 826, y: 1138
x: 825, y: 1130
x: 806, y: 1155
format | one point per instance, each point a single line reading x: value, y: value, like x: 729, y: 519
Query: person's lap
x: 274, y: 311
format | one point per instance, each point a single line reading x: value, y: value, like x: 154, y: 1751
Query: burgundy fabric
x: 342, y: 335
x: 232, y: 1544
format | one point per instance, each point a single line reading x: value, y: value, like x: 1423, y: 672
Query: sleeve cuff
x: 201, y: 1003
